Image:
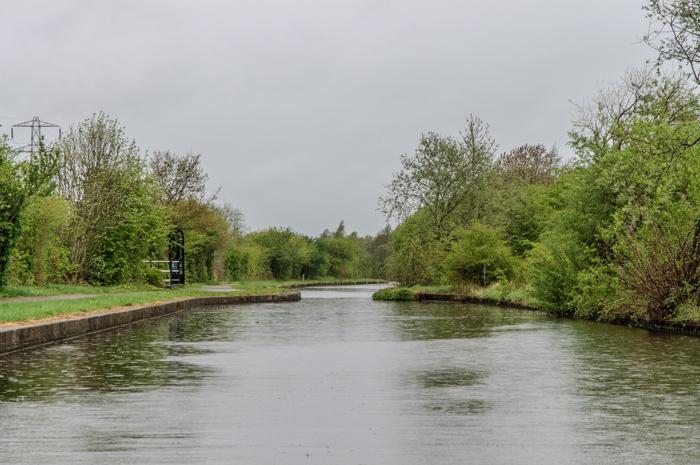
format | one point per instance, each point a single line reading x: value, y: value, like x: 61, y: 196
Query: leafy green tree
x: 115, y: 223
x: 416, y: 253
x: 19, y: 182
x: 379, y: 249
x: 643, y: 95
x: 207, y: 238
x: 288, y: 253
x: 443, y: 178
x: 622, y: 238
x: 139, y: 232
x: 479, y: 255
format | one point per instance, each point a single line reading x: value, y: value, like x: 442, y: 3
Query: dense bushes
x: 416, y: 254
x: 613, y: 235
x: 478, y: 254
x: 20, y: 181
x: 284, y: 254
x: 41, y: 256
x: 93, y: 209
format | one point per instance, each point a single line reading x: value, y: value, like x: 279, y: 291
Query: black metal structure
x: 174, y: 267
x: 176, y: 257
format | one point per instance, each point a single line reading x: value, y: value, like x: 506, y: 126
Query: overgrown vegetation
x: 92, y: 208
x: 613, y: 234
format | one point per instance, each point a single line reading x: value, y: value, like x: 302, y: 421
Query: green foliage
x: 115, y: 223
x: 153, y: 277
x: 400, y: 294
x: 479, y: 255
x: 553, y: 272
x: 236, y: 264
x: 416, y: 254
x: 444, y: 178
x: 40, y: 256
x: 139, y: 232
x: 339, y: 256
x: 207, y: 238
x: 288, y: 253
x: 19, y: 181
x: 613, y: 236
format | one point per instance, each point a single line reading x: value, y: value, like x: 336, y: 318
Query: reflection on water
x: 339, y: 379
x: 130, y: 359
x: 449, y: 377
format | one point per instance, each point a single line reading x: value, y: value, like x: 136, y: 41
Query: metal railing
x: 170, y: 268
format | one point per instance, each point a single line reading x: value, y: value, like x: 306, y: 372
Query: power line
x: 35, y: 125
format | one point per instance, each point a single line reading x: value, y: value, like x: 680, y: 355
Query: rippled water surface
x: 339, y: 379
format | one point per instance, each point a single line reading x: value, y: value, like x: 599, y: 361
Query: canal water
x: 339, y: 379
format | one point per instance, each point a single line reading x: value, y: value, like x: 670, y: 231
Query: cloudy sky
x: 302, y: 108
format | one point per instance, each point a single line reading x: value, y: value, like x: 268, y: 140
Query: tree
x: 114, y: 222
x: 179, y: 177
x: 529, y: 164
x: 235, y: 219
x: 607, y: 122
x: 675, y: 33
x: 478, y: 255
x: 442, y: 177
x: 40, y: 256
x: 379, y: 249
x: 340, y: 231
x: 19, y: 182
x: 624, y: 233
x: 416, y: 254
x: 288, y: 253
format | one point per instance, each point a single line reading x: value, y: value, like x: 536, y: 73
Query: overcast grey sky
x: 302, y: 108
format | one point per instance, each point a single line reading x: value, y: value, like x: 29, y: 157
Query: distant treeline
x: 91, y: 208
x: 614, y: 233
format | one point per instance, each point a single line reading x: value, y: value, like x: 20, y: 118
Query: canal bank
x: 27, y: 335
x: 684, y: 329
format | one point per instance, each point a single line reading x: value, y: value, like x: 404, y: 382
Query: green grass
x: 500, y: 293
x: 406, y: 294
x: 111, y: 297
x: 20, y: 311
x: 60, y: 289
x: 508, y: 294
x: 687, y: 314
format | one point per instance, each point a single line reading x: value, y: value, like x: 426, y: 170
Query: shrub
x: 416, y: 255
x: 394, y: 294
x: 236, y: 264
x: 40, y: 256
x: 154, y: 277
x: 479, y: 255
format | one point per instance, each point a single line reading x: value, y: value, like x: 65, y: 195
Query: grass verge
x: 23, y: 311
x: 106, y: 298
x: 496, y: 293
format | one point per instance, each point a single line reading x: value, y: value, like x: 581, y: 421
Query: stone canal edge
x: 27, y: 335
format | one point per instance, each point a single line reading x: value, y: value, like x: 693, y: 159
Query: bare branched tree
x: 674, y: 33
x: 235, y: 219
x: 179, y: 177
x: 531, y: 164
x: 606, y: 123
x: 93, y: 147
